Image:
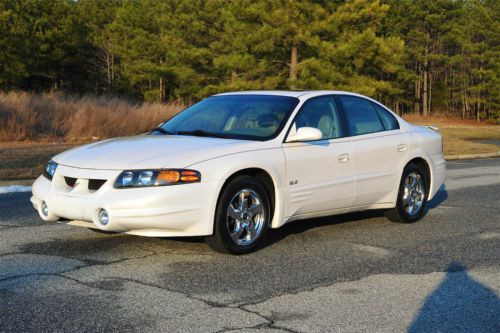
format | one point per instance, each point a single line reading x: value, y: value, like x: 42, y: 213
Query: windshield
x: 247, y: 117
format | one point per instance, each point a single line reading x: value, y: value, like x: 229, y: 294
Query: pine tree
x: 349, y: 52
x: 414, y: 55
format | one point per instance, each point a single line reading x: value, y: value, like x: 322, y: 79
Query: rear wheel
x: 242, y: 217
x: 412, y: 195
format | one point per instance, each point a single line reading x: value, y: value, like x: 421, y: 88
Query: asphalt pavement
x: 349, y: 273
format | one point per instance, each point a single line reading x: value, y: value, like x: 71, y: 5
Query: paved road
x: 347, y: 274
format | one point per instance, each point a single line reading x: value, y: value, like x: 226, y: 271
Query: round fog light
x: 45, y: 209
x: 103, y: 217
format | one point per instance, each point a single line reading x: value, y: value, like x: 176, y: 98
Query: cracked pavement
x: 350, y: 273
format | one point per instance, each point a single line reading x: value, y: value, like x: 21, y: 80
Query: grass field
x: 59, y: 117
x: 21, y: 161
x: 35, y: 127
x: 463, y: 137
x: 26, y: 160
x: 464, y: 140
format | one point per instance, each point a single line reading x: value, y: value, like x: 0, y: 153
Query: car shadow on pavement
x: 440, y: 197
x: 301, y: 226
x: 458, y: 304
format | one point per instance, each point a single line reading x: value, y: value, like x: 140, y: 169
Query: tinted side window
x: 361, y: 116
x: 321, y: 113
x: 390, y: 122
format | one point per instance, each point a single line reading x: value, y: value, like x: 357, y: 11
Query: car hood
x: 150, y: 151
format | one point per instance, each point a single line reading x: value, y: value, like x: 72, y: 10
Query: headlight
x: 50, y: 169
x: 144, y: 178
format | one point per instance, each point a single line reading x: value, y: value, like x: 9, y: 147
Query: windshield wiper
x: 162, y: 131
x: 193, y: 133
x: 202, y: 133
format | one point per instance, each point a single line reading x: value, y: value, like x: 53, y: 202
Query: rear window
x: 361, y: 116
x: 388, y: 120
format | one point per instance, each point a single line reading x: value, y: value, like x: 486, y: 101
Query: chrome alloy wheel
x: 414, y: 194
x: 245, y: 217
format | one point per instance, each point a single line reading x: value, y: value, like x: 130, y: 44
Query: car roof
x: 290, y: 93
x: 305, y: 95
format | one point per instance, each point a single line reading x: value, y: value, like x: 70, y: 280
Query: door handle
x: 402, y: 148
x: 344, y: 158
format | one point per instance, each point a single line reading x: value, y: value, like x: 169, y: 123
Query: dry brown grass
x: 445, y: 121
x: 54, y: 116
x: 462, y: 136
x: 26, y: 160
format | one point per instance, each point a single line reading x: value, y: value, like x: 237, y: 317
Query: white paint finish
x: 267, y: 92
x: 305, y: 134
x: 378, y: 164
x: 168, y: 210
x: 310, y: 179
x: 271, y: 161
x: 323, y: 180
x: 151, y: 151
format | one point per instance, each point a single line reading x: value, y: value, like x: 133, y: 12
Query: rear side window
x: 361, y: 116
x: 390, y: 122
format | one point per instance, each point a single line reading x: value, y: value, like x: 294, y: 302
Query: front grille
x: 70, y: 181
x: 95, y: 184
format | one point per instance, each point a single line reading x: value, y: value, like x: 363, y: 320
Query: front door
x: 319, y: 174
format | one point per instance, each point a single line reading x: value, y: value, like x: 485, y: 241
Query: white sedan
x: 236, y: 164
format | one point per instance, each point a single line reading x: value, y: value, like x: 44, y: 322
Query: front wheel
x: 242, y: 217
x: 412, y: 195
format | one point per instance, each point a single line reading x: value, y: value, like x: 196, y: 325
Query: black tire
x: 399, y: 213
x: 221, y: 240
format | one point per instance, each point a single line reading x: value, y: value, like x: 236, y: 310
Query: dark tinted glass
x: 320, y: 113
x: 390, y: 122
x: 251, y: 117
x: 361, y: 116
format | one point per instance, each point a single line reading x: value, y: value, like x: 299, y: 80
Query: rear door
x: 380, y: 149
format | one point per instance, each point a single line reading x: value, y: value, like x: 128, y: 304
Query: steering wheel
x: 268, y: 121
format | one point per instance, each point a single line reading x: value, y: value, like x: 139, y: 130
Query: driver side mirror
x: 305, y: 134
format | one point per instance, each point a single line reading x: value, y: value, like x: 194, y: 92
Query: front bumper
x: 178, y: 210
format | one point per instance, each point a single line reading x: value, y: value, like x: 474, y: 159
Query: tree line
x: 422, y: 56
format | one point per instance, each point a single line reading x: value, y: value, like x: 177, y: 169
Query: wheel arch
x: 259, y: 174
x: 428, y: 173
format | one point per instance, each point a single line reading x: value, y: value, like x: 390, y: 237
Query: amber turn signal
x: 188, y: 176
x: 168, y: 177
